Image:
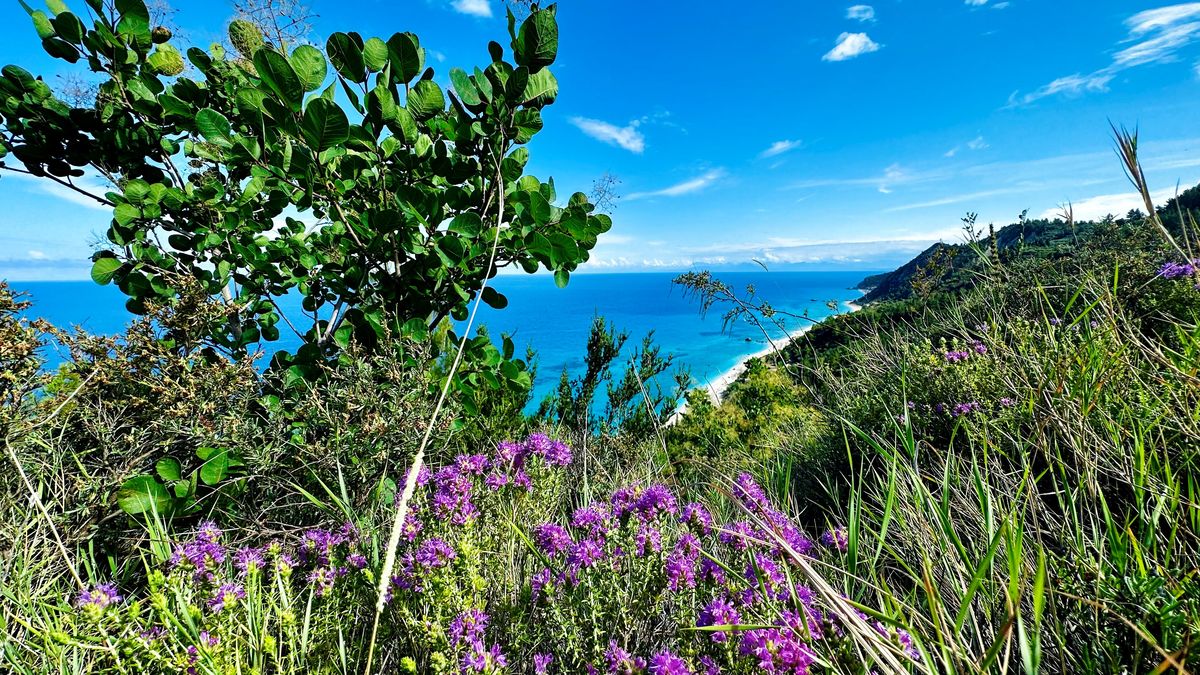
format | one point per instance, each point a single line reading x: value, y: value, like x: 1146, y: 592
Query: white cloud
x: 627, y: 137
x: 686, y: 187
x: 1095, y: 208
x: 976, y: 3
x: 891, y: 177
x: 1158, y: 36
x: 780, y: 147
x: 1163, y: 17
x: 862, y: 13
x: 977, y: 143
x: 1071, y: 85
x: 481, y: 8
x: 850, y: 45
x: 37, y: 255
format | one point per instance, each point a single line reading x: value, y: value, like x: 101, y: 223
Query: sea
x: 555, y: 322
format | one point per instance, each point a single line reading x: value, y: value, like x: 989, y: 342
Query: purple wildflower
x: 99, y: 597
x: 468, y: 626
x: 226, y: 596
x: 552, y: 539
x: 719, y: 612
x: 654, y: 501
x: 836, y: 538
x: 666, y: 663
x: 621, y: 662
x: 541, y: 663
x: 585, y: 554
x: 249, y: 560
x: 697, y: 518
x: 1174, y: 270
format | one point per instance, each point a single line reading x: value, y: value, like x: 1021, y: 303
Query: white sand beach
x: 717, y: 387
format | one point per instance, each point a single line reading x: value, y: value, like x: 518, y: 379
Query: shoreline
x: 717, y: 387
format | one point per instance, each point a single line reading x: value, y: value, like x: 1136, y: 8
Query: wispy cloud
x: 893, y: 176
x: 481, y: 8
x: 780, y: 147
x: 977, y: 143
x: 862, y: 13
x: 679, y: 189
x: 957, y: 199
x: 851, y: 45
x: 627, y: 137
x: 1158, y: 36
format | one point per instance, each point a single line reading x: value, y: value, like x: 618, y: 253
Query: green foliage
x: 383, y: 201
x: 634, y: 403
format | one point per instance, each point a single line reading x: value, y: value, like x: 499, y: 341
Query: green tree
x: 346, y: 175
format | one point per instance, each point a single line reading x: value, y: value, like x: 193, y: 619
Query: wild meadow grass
x: 1001, y: 478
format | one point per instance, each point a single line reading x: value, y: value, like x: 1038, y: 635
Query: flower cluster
x: 955, y: 356
x: 93, y: 603
x: 327, y: 554
x: 1175, y: 270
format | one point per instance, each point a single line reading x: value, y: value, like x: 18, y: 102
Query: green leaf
x: 463, y: 86
x: 41, y: 24
x: 468, y: 224
x: 215, y: 467
x: 60, y: 49
x: 280, y: 77
x: 493, y: 298
x: 402, y: 123
x: 536, y: 45
x: 375, y: 54
x: 69, y: 27
x: 324, y: 125
x: 103, y: 270
x: 310, y: 66
x: 408, y: 59
x: 214, y: 127
x: 346, y: 56
x: 143, y: 494
x: 561, y: 278
x: 169, y: 469
x: 425, y: 100
x: 541, y: 89
x: 56, y: 7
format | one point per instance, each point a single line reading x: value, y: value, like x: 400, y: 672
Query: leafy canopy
x: 348, y: 176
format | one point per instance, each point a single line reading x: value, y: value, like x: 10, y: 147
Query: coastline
x: 717, y: 387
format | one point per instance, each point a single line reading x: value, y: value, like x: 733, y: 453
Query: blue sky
x: 809, y: 135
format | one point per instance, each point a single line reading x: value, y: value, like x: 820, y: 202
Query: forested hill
x: 949, y: 267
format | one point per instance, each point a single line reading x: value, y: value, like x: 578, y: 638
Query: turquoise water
x: 555, y: 322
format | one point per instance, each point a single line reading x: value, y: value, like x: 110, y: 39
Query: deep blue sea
x: 554, y: 321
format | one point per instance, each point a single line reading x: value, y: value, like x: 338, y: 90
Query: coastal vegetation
x: 992, y: 467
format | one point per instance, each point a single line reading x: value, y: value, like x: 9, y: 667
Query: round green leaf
x: 310, y: 66
x: 408, y: 59
x: 347, y: 57
x: 561, y: 278
x: 169, y: 469
x: 324, y: 125
x: 375, y: 54
x: 104, y: 269
x: 493, y: 298
x: 214, y: 127
x: 536, y: 45
x: 425, y: 100
x: 143, y: 494
x: 277, y: 73
x: 468, y: 224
